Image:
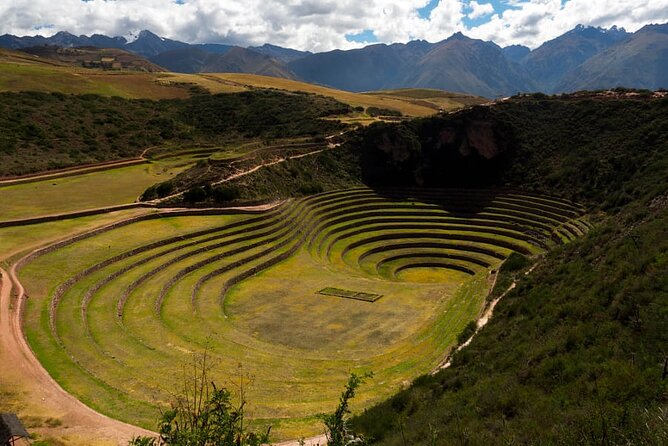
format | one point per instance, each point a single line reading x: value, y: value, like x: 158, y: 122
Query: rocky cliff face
x: 438, y: 152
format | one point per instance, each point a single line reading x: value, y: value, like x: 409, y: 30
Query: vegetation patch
x: 45, y: 131
x: 356, y: 295
x: 105, y: 307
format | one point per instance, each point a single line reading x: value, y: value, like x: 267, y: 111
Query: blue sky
x: 322, y: 25
x: 498, y: 6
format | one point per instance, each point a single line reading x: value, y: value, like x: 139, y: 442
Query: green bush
x: 222, y: 194
x: 164, y: 189
x: 376, y: 111
x: 46, y: 126
x: 467, y: 332
x: 203, y: 415
x: 514, y: 262
x: 195, y: 195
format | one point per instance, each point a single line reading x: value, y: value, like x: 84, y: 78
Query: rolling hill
x: 20, y: 71
x: 285, y: 55
x: 234, y: 60
x: 456, y: 64
x: 93, y: 57
x: 408, y: 102
x: 580, y: 334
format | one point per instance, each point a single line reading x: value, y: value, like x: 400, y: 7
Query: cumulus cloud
x: 479, y: 10
x: 532, y: 22
x: 320, y: 25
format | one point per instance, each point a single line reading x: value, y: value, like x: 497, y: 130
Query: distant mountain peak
x: 655, y: 28
x: 280, y: 53
x: 131, y: 36
x: 64, y: 34
x: 146, y: 34
x: 516, y: 52
x: 458, y: 36
x: 594, y: 30
x: 269, y: 45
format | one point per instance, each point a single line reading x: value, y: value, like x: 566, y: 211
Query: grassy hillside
x: 406, y: 105
x: 597, y: 149
x: 429, y: 97
x: 41, y: 131
x: 62, y: 73
x: 536, y: 143
x: 582, y: 338
x: 24, y: 72
x: 107, y: 59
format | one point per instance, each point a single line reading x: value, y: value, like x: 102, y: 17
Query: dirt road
x: 51, y: 411
x: 81, y: 425
x: 45, y: 398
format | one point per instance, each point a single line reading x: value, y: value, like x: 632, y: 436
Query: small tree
x: 338, y: 431
x: 204, y: 415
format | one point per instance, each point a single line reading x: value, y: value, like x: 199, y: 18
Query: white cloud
x: 320, y: 25
x: 479, y: 10
x: 536, y: 21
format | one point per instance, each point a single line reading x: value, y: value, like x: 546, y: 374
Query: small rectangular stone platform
x: 347, y: 294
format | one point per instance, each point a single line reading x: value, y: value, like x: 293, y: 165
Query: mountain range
x: 583, y: 58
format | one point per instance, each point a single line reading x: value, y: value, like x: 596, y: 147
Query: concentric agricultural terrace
x: 114, y: 313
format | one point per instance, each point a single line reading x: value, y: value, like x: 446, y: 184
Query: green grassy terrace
x: 111, y: 315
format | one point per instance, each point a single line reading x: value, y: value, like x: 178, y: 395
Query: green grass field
x: 68, y: 194
x: 70, y: 80
x: 20, y: 72
x: 444, y: 100
x: 15, y: 240
x: 116, y: 316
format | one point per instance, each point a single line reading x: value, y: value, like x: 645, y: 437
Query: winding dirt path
x: 39, y: 395
x: 330, y: 145
x: 484, y: 318
x: 80, y: 423
x: 267, y: 164
x: 242, y: 173
x: 320, y: 440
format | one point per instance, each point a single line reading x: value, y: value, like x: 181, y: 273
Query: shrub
x: 467, y: 332
x: 164, y: 189
x: 376, y: 111
x: 222, y: 194
x: 337, y: 428
x: 195, y: 195
x: 203, y: 415
x: 514, y: 262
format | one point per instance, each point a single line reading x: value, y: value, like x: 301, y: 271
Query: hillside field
x: 429, y: 259
x: 373, y: 249
x: 23, y: 72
